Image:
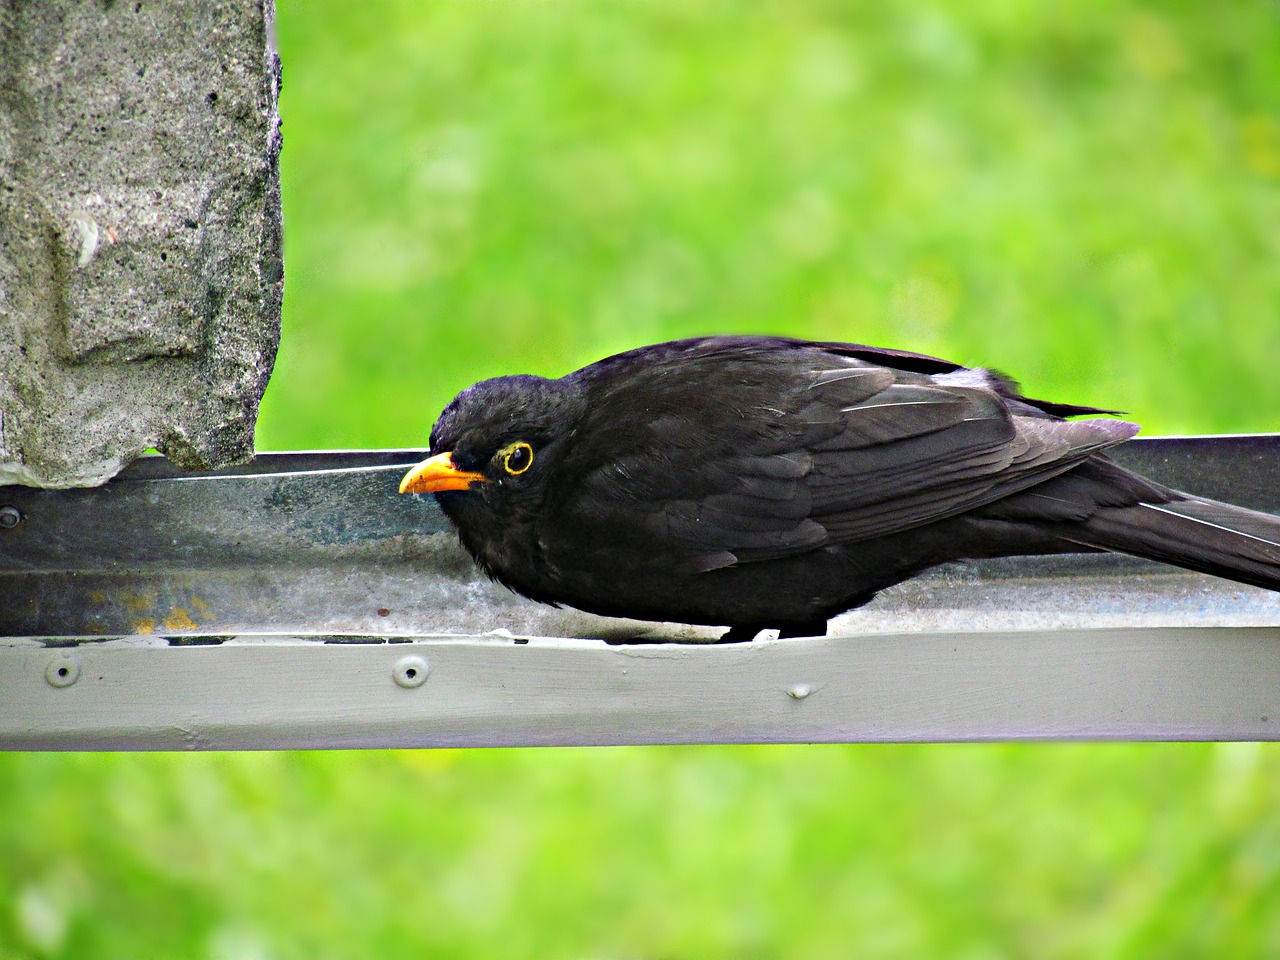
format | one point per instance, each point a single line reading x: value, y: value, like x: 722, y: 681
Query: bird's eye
x: 517, y: 458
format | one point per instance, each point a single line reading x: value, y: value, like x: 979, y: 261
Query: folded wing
x: 740, y: 451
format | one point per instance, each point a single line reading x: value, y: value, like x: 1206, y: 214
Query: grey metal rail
x: 321, y: 545
x: 300, y: 602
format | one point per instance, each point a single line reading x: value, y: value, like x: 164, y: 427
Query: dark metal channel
x: 322, y: 544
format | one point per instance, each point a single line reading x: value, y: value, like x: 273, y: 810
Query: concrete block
x: 140, y: 233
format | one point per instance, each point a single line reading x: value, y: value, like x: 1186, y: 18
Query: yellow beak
x: 437, y: 474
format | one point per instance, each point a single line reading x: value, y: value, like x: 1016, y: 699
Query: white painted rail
x: 1192, y: 683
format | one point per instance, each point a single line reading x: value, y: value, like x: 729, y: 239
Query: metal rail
x: 300, y: 602
x: 320, y: 544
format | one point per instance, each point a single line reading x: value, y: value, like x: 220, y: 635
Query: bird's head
x: 494, y: 448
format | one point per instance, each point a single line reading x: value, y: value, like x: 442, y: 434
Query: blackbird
x: 768, y: 482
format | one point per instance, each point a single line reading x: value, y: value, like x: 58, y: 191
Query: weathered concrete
x: 140, y: 233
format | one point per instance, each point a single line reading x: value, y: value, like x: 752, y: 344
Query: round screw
x: 62, y: 671
x: 410, y: 671
x: 10, y: 517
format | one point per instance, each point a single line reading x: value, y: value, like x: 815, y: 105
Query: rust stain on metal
x: 179, y: 619
x: 138, y: 601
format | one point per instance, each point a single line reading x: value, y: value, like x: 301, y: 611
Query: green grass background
x: 1085, y: 195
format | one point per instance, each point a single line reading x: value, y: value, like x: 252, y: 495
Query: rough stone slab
x: 140, y: 233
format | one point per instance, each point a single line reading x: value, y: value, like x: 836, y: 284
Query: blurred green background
x: 1085, y: 195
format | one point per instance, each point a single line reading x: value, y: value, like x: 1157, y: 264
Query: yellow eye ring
x: 517, y: 458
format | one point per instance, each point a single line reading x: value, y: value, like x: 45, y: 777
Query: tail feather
x: 1203, y: 535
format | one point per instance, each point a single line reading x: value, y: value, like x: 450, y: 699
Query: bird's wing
x: 753, y: 450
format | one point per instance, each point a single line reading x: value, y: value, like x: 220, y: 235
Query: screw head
x: 10, y: 517
x: 410, y: 671
x: 62, y: 671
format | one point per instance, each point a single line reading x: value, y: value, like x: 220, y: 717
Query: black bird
x: 765, y: 482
